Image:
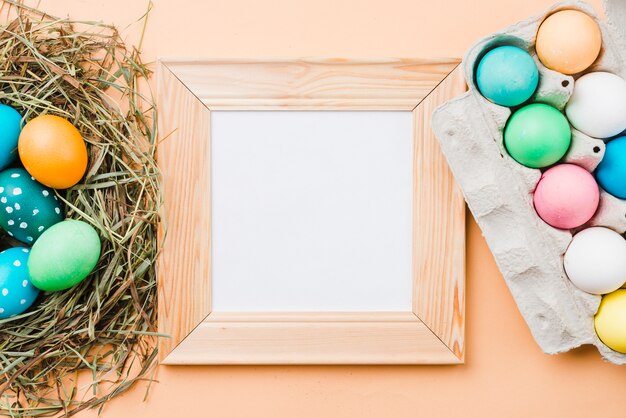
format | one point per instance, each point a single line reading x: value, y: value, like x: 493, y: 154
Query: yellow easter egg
x: 610, y: 320
x: 568, y: 41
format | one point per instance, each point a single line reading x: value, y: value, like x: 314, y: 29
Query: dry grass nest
x: 100, y: 332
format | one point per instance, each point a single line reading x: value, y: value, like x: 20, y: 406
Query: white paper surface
x: 311, y: 211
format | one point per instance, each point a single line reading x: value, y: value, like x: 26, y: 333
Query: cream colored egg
x: 595, y: 260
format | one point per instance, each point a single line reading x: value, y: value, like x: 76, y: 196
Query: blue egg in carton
x: 499, y: 190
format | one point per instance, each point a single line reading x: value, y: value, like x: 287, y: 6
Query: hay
x: 106, y: 325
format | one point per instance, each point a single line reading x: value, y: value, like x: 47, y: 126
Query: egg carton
x: 499, y: 190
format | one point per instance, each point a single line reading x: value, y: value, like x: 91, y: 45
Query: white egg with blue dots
x: 17, y: 293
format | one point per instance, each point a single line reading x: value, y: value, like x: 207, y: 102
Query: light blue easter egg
x: 611, y: 172
x: 507, y: 76
x: 16, y: 290
x: 10, y: 128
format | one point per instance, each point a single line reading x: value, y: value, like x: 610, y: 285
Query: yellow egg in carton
x: 499, y: 190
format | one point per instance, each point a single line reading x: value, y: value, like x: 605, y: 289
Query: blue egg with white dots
x: 10, y: 129
x: 611, y: 172
x: 27, y: 207
x: 16, y: 290
x: 507, y: 76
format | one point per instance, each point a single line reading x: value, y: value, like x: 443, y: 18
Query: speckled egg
x: 27, y: 208
x: 16, y: 290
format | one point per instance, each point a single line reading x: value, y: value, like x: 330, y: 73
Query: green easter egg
x: 63, y: 255
x: 537, y: 135
x: 27, y: 208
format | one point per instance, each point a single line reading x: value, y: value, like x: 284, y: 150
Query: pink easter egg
x: 566, y: 196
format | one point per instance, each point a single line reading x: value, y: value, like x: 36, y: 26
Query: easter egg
x: 598, y: 105
x: 27, y: 208
x: 595, y: 260
x: 566, y: 196
x: 64, y: 255
x: 611, y: 172
x: 568, y: 41
x: 537, y: 135
x: 507, y: 76
x: 610, y: 320
x: 53, y: 151
x: 11, y: 126
x: 16, y: 290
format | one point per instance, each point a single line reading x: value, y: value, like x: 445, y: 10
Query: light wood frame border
x: 188, y: 90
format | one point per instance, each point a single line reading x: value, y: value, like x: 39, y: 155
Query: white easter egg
x: 595, y: 260
x: 598, y: 105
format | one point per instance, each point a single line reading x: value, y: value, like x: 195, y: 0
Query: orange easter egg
x: 568, y: 41
x: 53, y: 151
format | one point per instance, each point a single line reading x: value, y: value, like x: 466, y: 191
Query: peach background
x: 505, y: 374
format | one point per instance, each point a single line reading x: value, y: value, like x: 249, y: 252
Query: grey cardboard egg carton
x: 499, y: 190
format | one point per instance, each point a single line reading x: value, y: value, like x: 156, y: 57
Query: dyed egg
x: 595, y: 260
x: 16, y: 291
x: 611, y: 172
x: 64, y: 255
x: 27, y: 208
x: 568, y: 41
x: 507, y: 76
x: 537, y: 135
x: 53, y: 151
x: 11, y: 126
x: 610, y: 320
x: 566, y: 196
x: 598, y: 105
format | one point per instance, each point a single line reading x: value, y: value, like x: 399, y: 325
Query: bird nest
x: 99, y: 333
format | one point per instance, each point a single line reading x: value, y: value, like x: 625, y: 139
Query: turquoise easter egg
x: 64, y: 255
x: 611, y: 172
x: 10, y: 129
x: 17, y: 292
x: 507, y: 76
x: 27, y: 208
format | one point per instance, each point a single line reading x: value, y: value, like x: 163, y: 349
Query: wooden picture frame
x: 188, y: 90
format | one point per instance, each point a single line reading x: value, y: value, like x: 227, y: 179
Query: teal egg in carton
x: 499, y: 189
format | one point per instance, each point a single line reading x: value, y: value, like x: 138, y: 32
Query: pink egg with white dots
x: 566, y: 196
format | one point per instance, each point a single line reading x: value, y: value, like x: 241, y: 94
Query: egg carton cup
x: 499, y: 190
